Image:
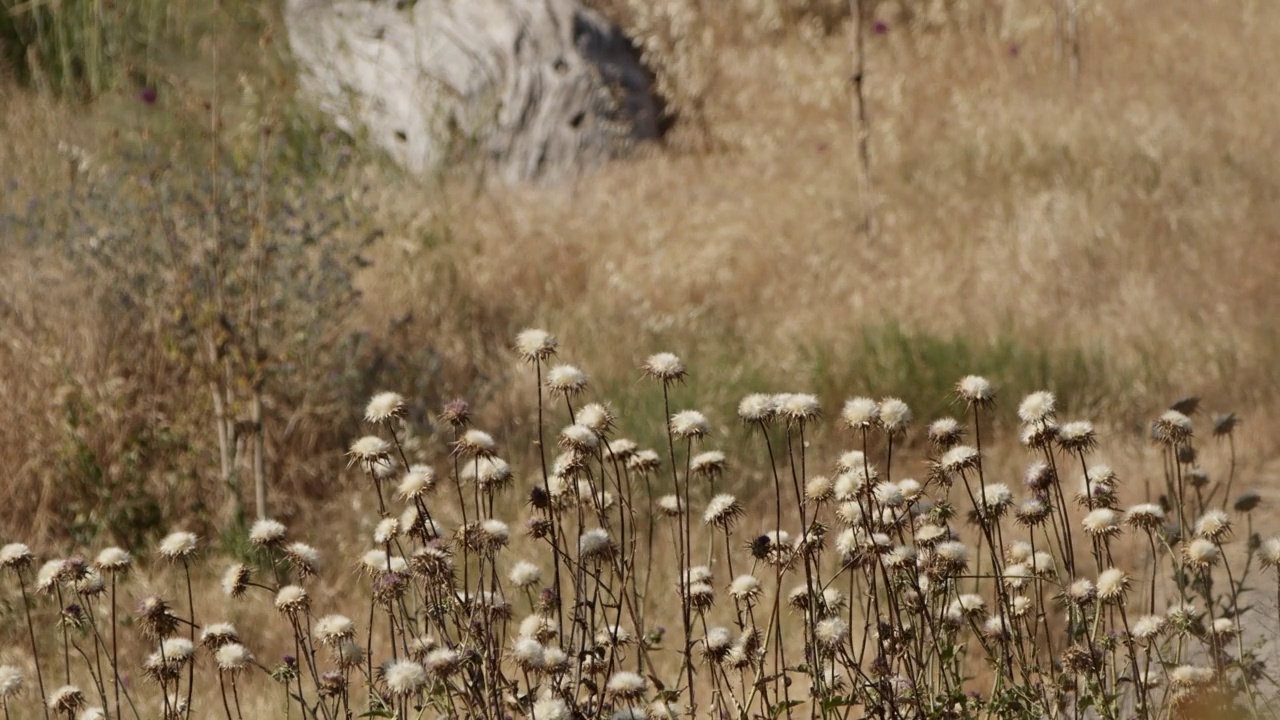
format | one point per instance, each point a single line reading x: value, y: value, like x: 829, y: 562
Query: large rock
x: 534, y: 89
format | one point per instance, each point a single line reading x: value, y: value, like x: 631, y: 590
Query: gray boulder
x: 532, y: 89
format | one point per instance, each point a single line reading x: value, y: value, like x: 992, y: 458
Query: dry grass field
x: 1111, y: 237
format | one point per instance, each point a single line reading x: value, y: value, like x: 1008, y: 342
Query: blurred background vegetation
x: 201, y: 280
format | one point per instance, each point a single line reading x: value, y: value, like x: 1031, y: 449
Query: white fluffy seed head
x: 233, y: 657
x: 1038, y: 407
x: 404, y: 677
x: 535, y: 345
x: 626, y: 685
x: 1103, y: 521
x: 976, y: 391
x: 1213, y: 525
x: 267, y: 533
x: 1269, y: 552
x: 387, y: 529
x: 551, y: 708
x: 690, y: 424
x: 384, y: 407
x: 1147, y: 627
x: 798, y: 407
x: 1112, y: 584
x: 831, y: 632
x: 418, y: 482
x: 525, y: 575
x: 894, y: 415
x: 860, y: 413
x: 177, y: 545
x: 10, y: 682
x: 332, y: 629
x: 665, y: 367
x: 757, y: 408
x: 566, y: 380
x: 1201, y: 553
x: 16, y: 556
x: 112, y: 559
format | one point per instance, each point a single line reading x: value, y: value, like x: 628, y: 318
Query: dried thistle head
x: 404, y: 677
x: 976, y: 391
x: 1037, y: 408
x: 860, y: 414
x: 1077, y: 436
x: 1171, y: 429
x: 689, y: 425
x: 67, y: 699
x: 456, y: 414
x: 894, y: 416
x: 11, y: 682
x: 384, y: 408
x: 177, y: 546
x: 292, y: 600
x: 723, y: 511
x: 217, y: 635
x: 598, y: 418
x: 757, y: 409
x: 475, y: 443
x: 566, y: 381
x: 16, y: 557
x: 304, y: 558
x: 235, y: 580
x: 155, y: 619
x: 665, y: 367
x: 267, y: 533
x: 331, y: 630
x: 535, y: 345
x: 798, y: 408
x: 945, y: 433
x: 369, y: 451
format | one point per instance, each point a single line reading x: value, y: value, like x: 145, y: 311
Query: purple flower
x: 148, y: 95
x: 880, y: 27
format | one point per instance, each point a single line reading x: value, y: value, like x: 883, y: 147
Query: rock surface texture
x: 533, y: 89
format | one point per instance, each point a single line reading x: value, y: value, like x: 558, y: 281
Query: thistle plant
x: 964, y: 593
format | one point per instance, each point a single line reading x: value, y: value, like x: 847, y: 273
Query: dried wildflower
x: 1081, y: 592
x: 235, y: 580
x: 1081, y: 659
x: 475, y: 443
x: 595, y: 545
x: 113, y: 559
x: 644, y: 461
x: 155, y: 619
x: 996, y: 627
x: 1224, y: 425
x: 404, y: 677
x: 996, y: 499
x: 525, y: 575
x: 597, y: 418
x: 757, y: 408
x: 664, y: 367
x: 66, y: 699
x: 1246, y: 502
x: 709, y: 464
x: 418, y: 482
x: 1201, y: 554
x: 384, y: 407
x: 1147, y: 627
x: 10, y: 682
x: 627, y: 686
x: 1039, y: 477
x: 551, y: 708
x: 1190, y: 676
x: 701, y: 596
x: 330, y: 630
x: 1077, y: 436
x: 1101, y: 522
x: 798, y: 408
x: 579, y: 438
x: 894, y: 416
x: 976, y: 391
x: 1269, y: 552
x: 332, y: 684
x: 348, y: 654
x: 958, y: 459
x: 818, y: 489
x: 1214, y: 525
x: 1171, y: 428
x: 950, y: 558
x: 1147, y: 517
x: 722, y: 511
x: 860, y: 413
x: 16, y: 556
x: 1032, y: 512
x: 442, y: 662
x: 528, y: 653
x: 387, y: 530
x: 566, y: 380
x: 304, y: 558
x: 1042, y: 564
x: 267, y: 533
x: 1225, y: 628
x: 689, y: 425
x: 929, y: 535
x: 621, y: 449
x: 218, y: 634
x: 831, y: 632
x: 1038, y: 436
x: 456, y: 413
x: 370, y: 450
x: 945, y: 433
x: 166, y: 663
x: 968, y: 604
x: 177, y: 545
x: 535, y: 345
x: 292, y: 600
x: 1112, y: 585
x: 376, y: 562
x: 670, y: 505
x: 1038, y: 407
x: 717, y: 644
x: 745, y: 588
